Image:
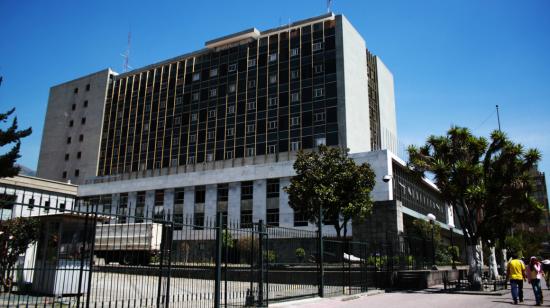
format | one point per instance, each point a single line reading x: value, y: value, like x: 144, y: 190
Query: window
x: 83, y: 121
x: 294, y: 121
x: 294, y: 74
x: 175, y: 141
x: 251, y: 83
x: 88, y: 87
x: 66, y: 156
x: 319, y: 116
x: 271, y: 149
x: 318, y: 68
x: 273, y: 57
x: 228, y: 154
x: 196, y: 76
x: 319, y: 141
x: 251, y: 62
x: 247, y: 190
x: 68, y: 140
x: 294, y: 52
x: 85, y: 104
x: 64, y: 174
x: 249, y: 152
x: 196, y: 96
x: 192, y: 138
x: 200, y: 194
x: 214, y: 72
x: 223, y: 192
x: 272, y: 101
x: 250, y: 128
x: 231, y: 109
x: 232, y: 67
x: 211, y: 135
x: 272, y: 124
x: 71, y: 123
x: 191, y: 160
x: 272, y: 217
x: 246, y: 219
x: 73, y: 107
x: 319, y: 92
x: 77, y: 172
x: 317, y: 46
x: 145, y: 126
x: 81, y: 138
x: 272, y: 189
x: 162, y: 105
x: 213, y: 92
x: 177, y: 120
x: 209, y: 157
x: 212, y: 113
x: 79, y: 155
x: 179, y: 100
x: 251, y: 105
x: 194, y: 117
x: 230, y: 131
x: 232, y: 88
x: 272, y: 78
x: 295, y: 97
x: 148, y: 107
x: 295, y: 145
x: 75, y: 90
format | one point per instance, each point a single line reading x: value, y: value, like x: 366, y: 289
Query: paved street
x: 420, y: 299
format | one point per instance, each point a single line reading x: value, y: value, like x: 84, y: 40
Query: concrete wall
x: 352, y: 87
x: 51, y: 162
x: 386, y: 99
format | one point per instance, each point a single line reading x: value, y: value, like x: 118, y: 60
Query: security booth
x: 62, y: 256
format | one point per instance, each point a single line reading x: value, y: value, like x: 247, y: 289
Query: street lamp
x: 451, y: 227
x: 431, y: 219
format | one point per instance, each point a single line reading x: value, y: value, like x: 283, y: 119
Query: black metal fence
x: 86, y: 256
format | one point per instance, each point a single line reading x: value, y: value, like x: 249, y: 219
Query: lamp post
x: 431, y: 219
x: 451, y: 227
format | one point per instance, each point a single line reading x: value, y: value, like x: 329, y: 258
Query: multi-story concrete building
x: 218, y: 129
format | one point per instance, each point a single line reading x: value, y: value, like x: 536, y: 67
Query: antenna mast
x: 329, y: 6
x: 498, y: 119
x: 126, y: 55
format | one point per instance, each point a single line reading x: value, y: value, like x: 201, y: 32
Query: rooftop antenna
x: 329, y: 6
x: 498, y: 119
x: 126, y: 55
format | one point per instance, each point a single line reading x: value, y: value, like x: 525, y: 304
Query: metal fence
x: 86, y: 256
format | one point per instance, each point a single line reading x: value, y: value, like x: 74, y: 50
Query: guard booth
x: 62, y: 256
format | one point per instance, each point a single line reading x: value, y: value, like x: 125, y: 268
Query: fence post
x: 218, y: 273
x: 261, y: 262
x: 92, y: 248
x: 82, y: 257
x: 170, y: 240
x: 321, y: 258
x: 161, y: 261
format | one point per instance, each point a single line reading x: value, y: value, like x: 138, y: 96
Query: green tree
x: 16, y: 235
x: 331, y: 180
x: 484, y: 182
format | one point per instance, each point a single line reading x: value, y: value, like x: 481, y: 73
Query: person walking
x: 546, y: 270
x: 534, y: 275
x: 515, y: 273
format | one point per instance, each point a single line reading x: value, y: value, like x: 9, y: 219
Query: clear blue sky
x: 452, y: 61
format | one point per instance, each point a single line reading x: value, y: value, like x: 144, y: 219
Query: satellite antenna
x: 329, y: 6
x: 126, y: 55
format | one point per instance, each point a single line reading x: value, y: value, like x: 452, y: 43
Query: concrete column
x: 234, y: 202
x: 149, y: 203
x: 188, y: 203
x: 132, y: 198
x: 286, y: 214
x: 115, y: 201
x: 399, y: 217
x: 259, y: 200
x: 210, y: 202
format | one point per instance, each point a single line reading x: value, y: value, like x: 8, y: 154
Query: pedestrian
x: 534, y: 275
x: 546, y: 269
x: 515, y: 273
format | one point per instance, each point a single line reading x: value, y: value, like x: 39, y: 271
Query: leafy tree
x: 329, y: 179
x: 424, y: 229
x: 485, y: 182
x: 15, y: 237
x: 8, y: 136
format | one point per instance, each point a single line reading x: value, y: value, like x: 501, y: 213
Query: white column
x: 169, y: 203
x: 286, y: 214
x: 210, y: 202
x: 188, y: 203
x: 132, y: 198
x: 234, y: 203
x: 149, y: 204
x: 259, y: 200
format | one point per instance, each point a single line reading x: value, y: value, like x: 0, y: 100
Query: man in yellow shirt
x: 516, y: 274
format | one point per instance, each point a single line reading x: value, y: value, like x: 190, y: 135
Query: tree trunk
x: 474, y: 263
x: 503, y: 261
x: 493, y: 268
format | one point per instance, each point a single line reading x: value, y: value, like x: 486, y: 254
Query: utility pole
x: 498, y: 119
